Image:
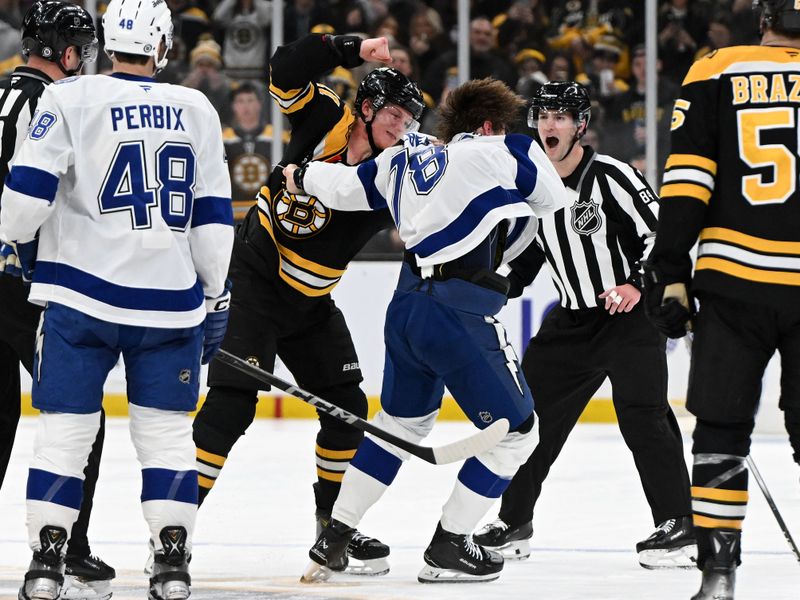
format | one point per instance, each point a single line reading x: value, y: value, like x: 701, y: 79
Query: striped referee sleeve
x: 16, y: 110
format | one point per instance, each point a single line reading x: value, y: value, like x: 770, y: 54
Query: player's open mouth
x: 551, y: 141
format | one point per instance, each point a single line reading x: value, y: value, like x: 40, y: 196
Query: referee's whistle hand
x: 621, y: 298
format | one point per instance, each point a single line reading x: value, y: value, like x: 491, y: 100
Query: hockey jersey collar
x: 129, y: 77
x: 25, y: 71
x: 574, y: 179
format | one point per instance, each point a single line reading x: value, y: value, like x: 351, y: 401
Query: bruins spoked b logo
x: 586, y: 217
x: 300, y: 216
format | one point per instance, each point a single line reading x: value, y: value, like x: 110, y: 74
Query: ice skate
x: 45, y: 575
x: 671, y: 546
x: 513, y: 543
x: 455, y: 558
x: 87, y: 578
x: 718, y: 584
x: 366, y: 555
x: 170, y: 579
x: 329, y: 552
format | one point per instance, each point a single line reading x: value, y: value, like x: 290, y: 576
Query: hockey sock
x: 331, y: 466
x: 372, y: 471
x: 719, y: 503
x: 55, y: 478
x: 475, y: 491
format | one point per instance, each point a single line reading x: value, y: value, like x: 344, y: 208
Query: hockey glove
x: 217, y: 311
x: 9, y: 263
x: 668, y: 306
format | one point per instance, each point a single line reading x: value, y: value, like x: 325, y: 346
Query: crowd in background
x: 222, y: 48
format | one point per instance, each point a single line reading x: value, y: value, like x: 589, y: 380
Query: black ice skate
x: 719, y: 569
x: 170, y: 580
x: 87, y: 578
x: 329, y: 552
x: 455, y: 558
x: 45, y: 576
x: 718, y: 584
x: 671, y: 546
x: 366, y: 555
x: 513, y: 543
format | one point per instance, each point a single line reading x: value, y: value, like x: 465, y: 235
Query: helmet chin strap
x: 373, y: 146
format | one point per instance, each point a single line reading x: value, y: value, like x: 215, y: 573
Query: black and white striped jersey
x: 19, y: 95
x: 600, y: 239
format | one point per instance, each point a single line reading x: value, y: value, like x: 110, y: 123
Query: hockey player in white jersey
x: 125, y: 182
x: 462, y: 210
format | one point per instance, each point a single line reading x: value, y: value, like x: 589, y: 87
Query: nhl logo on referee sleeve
x: 586, y: 218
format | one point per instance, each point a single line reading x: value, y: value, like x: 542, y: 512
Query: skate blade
x: 76, y: 588
x: 315, y: 573
x: 367, y: 568
x: 519, y: 550
x: 684, y: 557
x: 430, y: 574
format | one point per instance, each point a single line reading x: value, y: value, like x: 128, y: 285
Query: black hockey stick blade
x: 480, y: 442
x: 773, y: 507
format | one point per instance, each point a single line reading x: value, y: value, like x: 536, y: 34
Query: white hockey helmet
x: 137, y: 27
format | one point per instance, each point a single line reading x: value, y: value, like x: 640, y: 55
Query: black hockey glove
x: 667, y: 305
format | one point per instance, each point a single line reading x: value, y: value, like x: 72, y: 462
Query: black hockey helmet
x: 52, y: 26
x: 386, y: 84
x: 779, y: 15
x: 563, y: 96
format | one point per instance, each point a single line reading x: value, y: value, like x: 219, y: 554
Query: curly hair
x: 471, y: 104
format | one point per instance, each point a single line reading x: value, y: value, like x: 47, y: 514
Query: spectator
x: 426, y: 37
x: 246, y: 43
x: 206, y: 76
x: 189, y: 20
x: 681, y: 30
x: 600, y: 76
x: 403, y: 61
x: 484, y: 61
x: 561, y: 68
x: 625, y: 133
x: 522, y: 26
x: 530, y: 71
x: 719, y: 34
x: 248, y: 147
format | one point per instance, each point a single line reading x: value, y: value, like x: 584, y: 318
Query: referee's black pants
x: 18, y: 321
x: 565, y: 364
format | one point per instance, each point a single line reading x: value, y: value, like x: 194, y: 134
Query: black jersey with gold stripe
x: 731, y: 181
x: 306, y: 244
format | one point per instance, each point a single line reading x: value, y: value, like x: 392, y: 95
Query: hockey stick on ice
x: 480, y: 442
x: 781, y: 523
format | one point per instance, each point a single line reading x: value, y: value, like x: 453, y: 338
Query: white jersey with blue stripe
x: 445, y: 200
x: 125, y: 180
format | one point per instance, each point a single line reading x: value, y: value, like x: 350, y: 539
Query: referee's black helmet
x: 779, y: 15
x: 564, y: 96
x: 52, y: 26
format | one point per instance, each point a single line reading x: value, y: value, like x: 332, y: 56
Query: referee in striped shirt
x: 56, y: 38
x: 593, y: 249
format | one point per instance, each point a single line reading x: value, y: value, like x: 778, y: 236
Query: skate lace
x: 496, y: 525
x: 473, y: 549
x: 359, y: 539
x: 667, y: 525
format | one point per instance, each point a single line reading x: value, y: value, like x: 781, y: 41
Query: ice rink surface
x: 254, y: 530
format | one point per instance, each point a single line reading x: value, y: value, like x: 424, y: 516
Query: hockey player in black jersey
x: 289, y: 254
x: 57, y: 37
x: 730, y: 184
x: 593, y: 250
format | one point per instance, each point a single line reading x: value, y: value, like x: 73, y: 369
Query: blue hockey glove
x: 667, y: 305
x: 217, y: 311
x: 18, y: 259
x: 9, y: 263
